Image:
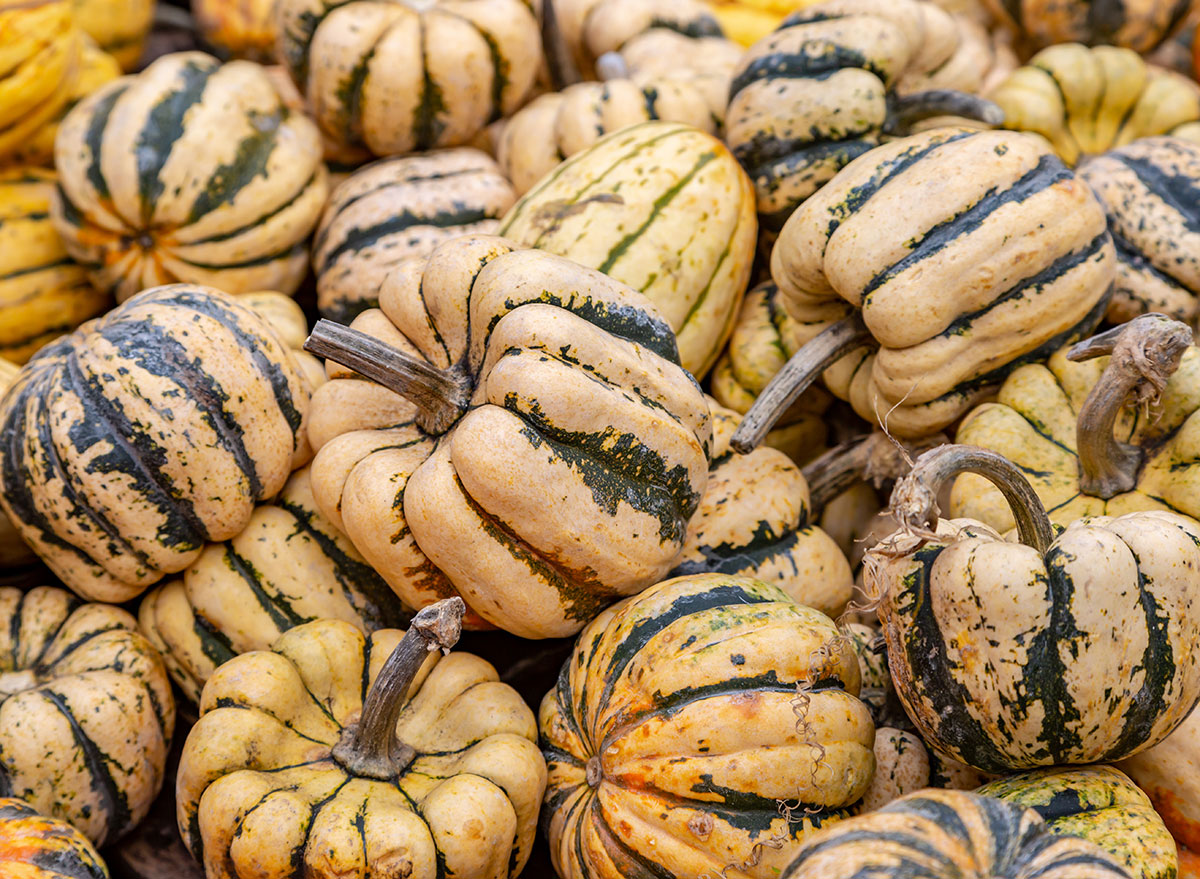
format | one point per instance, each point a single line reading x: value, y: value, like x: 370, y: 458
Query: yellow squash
x: 119, y: 26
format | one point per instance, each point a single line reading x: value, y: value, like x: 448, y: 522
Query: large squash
x: 43, y: 293
x: 406, y: 75
x: 1075, y: 648
x: 33, y: 846
x: 659, y: 206
x: 929, y: 269
x: 131, y: 442
x: 533, y: 381
x: 1140, y: 25
x: 948, y: 834
x: 148, y: 195
x: 86, y: 712
x: 396, y: 209
x: 338, y: 755
x: 686, y: 724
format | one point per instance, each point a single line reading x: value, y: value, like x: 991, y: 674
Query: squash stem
x: 875, y: 458
x: 906, y: 111
x: 914, y: 498
x: 560, y: 60
x: 440, y: 395
x: 813, y: 358
x: 370, y: 747
x: 1145, y: 352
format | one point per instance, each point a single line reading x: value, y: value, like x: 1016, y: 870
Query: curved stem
x: 440, y: 395
x: 914, y: 499
x: 904, y: 112
x: 560, y: 61
x: 370, y: 748
x: 875, y: 458
x: 813, y: 358
x: 1145, y: 354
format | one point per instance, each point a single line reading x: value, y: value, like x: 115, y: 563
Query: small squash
x: 118, y: 26
x: 929, y: 269
x: 1075, y: 648
x: 687, y: 720
x: 1099, y: 804
x: 287, y: 567
x: 147, y: 195
x: 130, y: 443
x: 1140, y: 25
x: 33, y: 846
x: 406, y: 75
x: 339, y: 755
x: 15, y: 554
x: 659, y: 206
x: 396, y: 209
x: 237, y: 28
x: 532, y: 381
x: 43, y: 293
x: 947, y: 834
x: 904, y: 765
x: 86, y: 712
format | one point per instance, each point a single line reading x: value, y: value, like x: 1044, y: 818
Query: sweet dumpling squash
x: 34, y: 846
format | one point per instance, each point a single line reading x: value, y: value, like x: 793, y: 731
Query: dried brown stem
x: 906, y: 111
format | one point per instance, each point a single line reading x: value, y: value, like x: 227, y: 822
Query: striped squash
x: 118, y: 26
x: 1140, y: 25
x: 287, y: 318
x: 33, y: 846
x: 15, y: 554
x: 1075, y: 648
x: 86, y: 712
x: 397, y: 209
x: 43, y: 293
x: 948, y: 834
x: 1169, y: 773
x: 685, y: 718
x: 754, y: 521
x: 823, y: 89
x: 287, y: 567
x: 533, y: 380
x: 406, y: 75
x: 904, y: 765
x: 1099, y: 804
x: 659, y: 206
x: 333, y: 754
x: 237, y: 28
x: 147, y: 195
x: 966, y: 253
x: 130, y: 443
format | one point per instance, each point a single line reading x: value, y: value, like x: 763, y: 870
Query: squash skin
x: 1169, y: 773
x: 173, y: 204
x: 958, y: 291
x: 661, y: 693
x: 183, y: 383
x: 239, y: 28
x: 947, y: 834
x: 673, y: 218
x: 352, y: 62
x: 1140, y: 25
x: 289, y: 566
x: 395, y: 209
x: 33, y: 846
x: 903, y: 765
x: 473, y: 790
x: 118, y: 26
x: 86, y: 711
x: 43, y: 294
x: 14, y: 552
x: 611, y: 400
x: 1099, y: 804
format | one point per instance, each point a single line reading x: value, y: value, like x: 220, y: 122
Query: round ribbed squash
x: 930, y: 268
x: 659, y: 206
x: 532, y: 381
x: 86, y: 712
x: 406, y: 75
x: 1075, y: 648
x: 1169, y: 773
x: 339, y: 755
x: 822, y: 90
x: 396, y: 209
x: 33, y: 846
x: 43, y: 293
x: 1099, y: 804
x: 131, y: 442
x: 686, y: 719
x: 118, y: 26
x: 149, y: 195
x: 903, y: 765
x: 287, y: 567
x: 754, y: 521
x: 1140, y: 25
x: 946, y: 835
x: 238, y: 28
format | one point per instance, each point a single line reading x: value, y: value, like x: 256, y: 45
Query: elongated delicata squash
x: 708, y: 726
x: 130, y: 443
x: 1073, y: 647
x: 86, y: 712
x: 149, y: 195
x: 529, y: 383
x: 34, y: 846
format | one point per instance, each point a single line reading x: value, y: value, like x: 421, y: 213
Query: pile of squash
x: 628, y: 439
